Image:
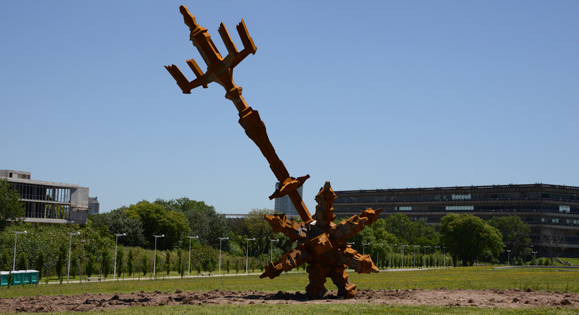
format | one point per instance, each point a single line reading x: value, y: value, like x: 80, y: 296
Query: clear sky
x: 365, y: 94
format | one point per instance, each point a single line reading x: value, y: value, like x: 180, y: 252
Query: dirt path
x: 513, y: 298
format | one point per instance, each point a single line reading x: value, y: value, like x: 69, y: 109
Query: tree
x: 168, y: 262
x: 255, y: 226
x: 90, y: 265
x: 157, y: 220
x: 468, y: 237
x: 203, y: 220
x: 515, y: 233
x: 120, y: 262
x: 117, y: 222
x: 39, y: 265
x: 552, y: 242
x: 145, y: 264
x: 11, y: 209
x: 130, y: 262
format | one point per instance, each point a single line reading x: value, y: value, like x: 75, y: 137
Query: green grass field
x: 451, y: 278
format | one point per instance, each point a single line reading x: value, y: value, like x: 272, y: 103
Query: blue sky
x: 373, y: 94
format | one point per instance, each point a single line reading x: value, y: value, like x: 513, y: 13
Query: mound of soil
x: 513, y: 298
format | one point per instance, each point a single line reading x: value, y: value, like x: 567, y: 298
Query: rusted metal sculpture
x: 320, y: 243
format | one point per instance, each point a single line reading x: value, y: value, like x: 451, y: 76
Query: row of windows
x: 41, y: 192
x: 409, y: 198
x: 39, y: 210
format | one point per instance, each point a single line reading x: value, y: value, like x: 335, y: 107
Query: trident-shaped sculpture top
x: 220, y: 70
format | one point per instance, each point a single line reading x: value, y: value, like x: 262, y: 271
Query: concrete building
x: 49, y: 202
x: 547, y: 209
x: 284, y: 204
x: 93, y: 205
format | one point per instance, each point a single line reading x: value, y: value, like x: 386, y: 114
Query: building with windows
x: 49, y: 202
x: 93, y: 205
x: 284, y: 204
x: 548, y: 209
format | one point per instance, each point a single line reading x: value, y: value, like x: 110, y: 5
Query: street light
x: 116, y: 244
x: 271, y: 249
x: 155, y: 255
x: 247, y: 255
x: 534, y: 261
x: 509, y: 257
x: 221, y: 239
x: 364, y: 248
x: 15, y: 237
x: 403, y: 254
x: 424, y: 258
x: 444, y: 255
x: 414, y: 255
x: 69, y: 249
x: 190, y: 237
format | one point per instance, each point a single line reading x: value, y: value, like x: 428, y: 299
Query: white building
x: 49, y: 202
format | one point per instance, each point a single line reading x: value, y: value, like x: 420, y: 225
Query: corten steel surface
x: 321, y: 243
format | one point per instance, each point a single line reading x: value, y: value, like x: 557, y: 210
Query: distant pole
x: 15, y: 237
x: 155, y: 255
x: 444, y: 255
x: 190, y: 237
x: 534, y: 260
x: 508, y: 257
x: 221, y: 239
x: 247, y: 255
x: 116, y: 243
x: 271, y: 249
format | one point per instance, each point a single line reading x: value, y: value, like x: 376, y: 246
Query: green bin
x: 31, y: 277
x: 4, y: 278
x: 17, y: 277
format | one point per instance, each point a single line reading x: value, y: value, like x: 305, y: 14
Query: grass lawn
x: 451, y: 278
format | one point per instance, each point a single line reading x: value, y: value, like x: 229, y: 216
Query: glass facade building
x: 546, y: 208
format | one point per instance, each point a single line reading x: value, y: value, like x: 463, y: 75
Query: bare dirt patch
x: 513, y: 298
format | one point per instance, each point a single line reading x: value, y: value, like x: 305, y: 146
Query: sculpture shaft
x: 220, y: 70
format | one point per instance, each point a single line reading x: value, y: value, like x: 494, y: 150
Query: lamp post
x: 69, y: 249
x: 349, y: 243
x: 424, y: 258
x: 116, y: 243
x: 221, y: 239
x: 534, y: 261
x: 364, y: 248
x: 444, y: 255
x: 403, y: 254
x: 247, y: 254
x: 190, y: 237
x: 509, y: 257
x: 271, y: 249
x: 15, y: 237
x: 414, y: 255
x: 155, y: 255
